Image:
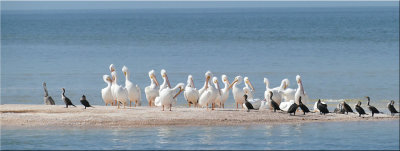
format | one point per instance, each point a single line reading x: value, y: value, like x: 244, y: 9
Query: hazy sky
x: 31, y: 5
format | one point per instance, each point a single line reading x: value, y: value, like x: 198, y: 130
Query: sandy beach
x: 18, y: 115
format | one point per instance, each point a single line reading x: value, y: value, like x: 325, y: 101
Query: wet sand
x: 19, y: 115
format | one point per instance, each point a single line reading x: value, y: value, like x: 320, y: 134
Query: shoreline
x: 31, y: 116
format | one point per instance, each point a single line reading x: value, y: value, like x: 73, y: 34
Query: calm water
x: 331, y: 135
x: 340, y: 52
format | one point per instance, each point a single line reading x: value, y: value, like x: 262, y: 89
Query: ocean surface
x: 382, y: 135
x: 340, y: 52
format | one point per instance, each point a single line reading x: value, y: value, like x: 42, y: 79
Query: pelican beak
x: 285, y: 86
x: 155, y: 80
x: 112, y: 70
x: 191, y: 79
x: 248, y: 82
x: 219, y: 89
x: 236, y: 80
x: 207, y: 79
x: 124, y: 73
x: 169, y: 84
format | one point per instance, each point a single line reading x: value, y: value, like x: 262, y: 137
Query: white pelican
x: 152, y: 90
x: 255, y: 102
x: 113, y: 86
x: 191, y: 94
x: 134, y: 93
x: 284, y: 106
x: 238, y: 93
x: 248, y: 84
x: 206, y: 94
x: 106, y: 92
x: 300, y: 91
x: 120, y: 93
x: 276, y: 96
x: 225, y: 90
x: 217, y: 92
x: 166, y: 83
x: 288, y: 93
x: 168, y: 96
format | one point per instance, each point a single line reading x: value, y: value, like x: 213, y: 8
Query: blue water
x: 332, y: 135
x: 340, y: 52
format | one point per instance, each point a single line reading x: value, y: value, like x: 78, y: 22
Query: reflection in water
x: 351, y: 135
x: 163, y: 134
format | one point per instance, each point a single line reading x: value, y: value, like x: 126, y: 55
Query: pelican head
x: 225, y: 79
x: 247, y: 81
x: 107, y: 78
x: 114, y: 76
x: 165, y: 77
x: 286, y: 83
x: 298, y: 79
x: 190, y: 81
x: 238, y: 79
x: 112, y: 68
x: 125, y: 70
x: 216, y: 83
x: 152, y: 75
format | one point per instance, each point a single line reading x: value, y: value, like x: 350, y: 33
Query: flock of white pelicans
x: 164, y: 95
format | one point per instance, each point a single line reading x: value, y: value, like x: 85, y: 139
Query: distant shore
x: 19, y: 115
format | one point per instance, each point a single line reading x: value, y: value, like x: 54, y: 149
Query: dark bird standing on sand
x: 292, y: 109
x: 359, y: 109
x: 85, y: 102
x: 391, y: 108
x: 66, y: 100
x: 323, y: 108
x: 248, y: 104
x: 47, y: 99
x: 303, y: 107
x: 273, y: 104
x: 372, y: 108
x: 346, y: 107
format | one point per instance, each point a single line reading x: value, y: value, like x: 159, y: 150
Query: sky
x: 47, y: 5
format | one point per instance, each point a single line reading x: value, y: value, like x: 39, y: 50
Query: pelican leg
x: 162, y: 107
x: 237, y: 105
x: 223, y: 105
x: 136, y: 102
x: 149, y: 103
x: 212, y: 106
x: 115, y: 102
x: 130, y: 103
x: 170, y: 106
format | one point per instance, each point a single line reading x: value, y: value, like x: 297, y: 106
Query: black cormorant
x: 323, y: 108
x: 273, y: 104
x: 359, y: 109
x: 85, y: 102
x: 391, y: 108
x: 66, y: 100
x: 303, y: 107
x: 372, y: 108
x: 346, y: 107
x: 292, y: 109
x: 248, y: 104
